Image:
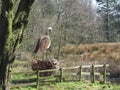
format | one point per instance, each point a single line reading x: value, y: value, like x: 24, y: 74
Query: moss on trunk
x: 11, y: 33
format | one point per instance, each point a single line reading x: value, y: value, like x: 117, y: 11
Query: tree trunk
x: 12, y: 26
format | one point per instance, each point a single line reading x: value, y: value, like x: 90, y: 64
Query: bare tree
x: 73, y: 21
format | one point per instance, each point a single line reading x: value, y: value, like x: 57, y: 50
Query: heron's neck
x: 47, y: 33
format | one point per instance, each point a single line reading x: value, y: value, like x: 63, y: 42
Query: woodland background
x: 73, y: 22
x: 83, y: 32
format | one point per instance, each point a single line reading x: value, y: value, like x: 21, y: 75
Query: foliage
x: 109, y: 11
x: 72, y: 21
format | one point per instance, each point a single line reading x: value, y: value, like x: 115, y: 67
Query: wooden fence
x: 92, y: 73
x: 60, y: 75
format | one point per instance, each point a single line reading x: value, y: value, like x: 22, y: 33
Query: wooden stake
x: 80, y: 73
x: 104, y: 75
x: 93, y: 74
x: 61, y: 75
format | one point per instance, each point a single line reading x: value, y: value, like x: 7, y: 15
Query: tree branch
x: 22, y: 13
x: 21, y: 20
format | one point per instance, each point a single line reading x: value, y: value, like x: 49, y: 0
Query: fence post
x: 104, y: 74
x: 61, y: 75
x: 38, y: 80
x: 92, y: 74
x: 80, y: 73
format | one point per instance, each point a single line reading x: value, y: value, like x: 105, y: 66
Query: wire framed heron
x: 43, y: 43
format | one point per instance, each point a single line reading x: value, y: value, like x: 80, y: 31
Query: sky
x: 94, y: 4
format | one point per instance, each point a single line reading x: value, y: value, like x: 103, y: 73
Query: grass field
x: 73, y: 86
x: 73, y: 56
x: 57, y: 86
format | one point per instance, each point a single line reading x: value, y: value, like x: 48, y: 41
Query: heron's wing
x: 44, y: 43
x: 37, y: 46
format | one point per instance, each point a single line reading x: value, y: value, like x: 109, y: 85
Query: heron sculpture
x: 44, y: 42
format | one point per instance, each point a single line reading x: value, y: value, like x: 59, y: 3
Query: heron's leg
x: 46, y: 55
x: 49, y: 52
x: 34, y: 55
x: 43, y: 55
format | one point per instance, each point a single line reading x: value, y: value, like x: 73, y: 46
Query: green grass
x: 23, y: 76
x: 59, y: 86
x: 73, y: 86
x: 80, y: 86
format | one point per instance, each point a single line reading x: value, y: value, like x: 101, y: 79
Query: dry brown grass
x: 99, y: 53
x: 94, y: 51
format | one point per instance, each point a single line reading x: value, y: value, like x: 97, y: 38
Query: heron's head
x: 49, y: 29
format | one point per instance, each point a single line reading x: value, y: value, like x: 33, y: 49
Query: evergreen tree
x: 108, y: 9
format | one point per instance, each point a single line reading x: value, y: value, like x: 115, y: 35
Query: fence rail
x: 92, y: 73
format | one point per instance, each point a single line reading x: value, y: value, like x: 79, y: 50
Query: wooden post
x: 92, y: 74
x: 61, y: 75
x: 104, y: 74
x: 38, y: 80
x: 80, y: 73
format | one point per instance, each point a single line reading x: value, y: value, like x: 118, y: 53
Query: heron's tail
x: 37, y: 47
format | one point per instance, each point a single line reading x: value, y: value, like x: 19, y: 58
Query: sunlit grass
x: 73, y: 86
